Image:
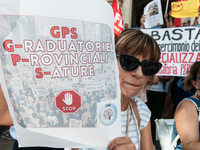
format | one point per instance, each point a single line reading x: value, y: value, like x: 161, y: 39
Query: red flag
x: 118, y: 26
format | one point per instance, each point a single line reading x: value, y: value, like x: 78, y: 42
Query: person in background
x: 142, y: 21
x: 155, y: 101
x: 186, y: 23
x: 168, y: 20
x: 180, y: 93
x: 186, y: 115
x: 177, y: 87
x: 125, y: 26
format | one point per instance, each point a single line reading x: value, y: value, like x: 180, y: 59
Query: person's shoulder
x: 144, y: 112
x: 186, y: 109
x: 138, y: 101
x: 189, y: 100
x: 186, y: 105
x: 141, y: 105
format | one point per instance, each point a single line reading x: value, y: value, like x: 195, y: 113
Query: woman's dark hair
x: 193, y: 75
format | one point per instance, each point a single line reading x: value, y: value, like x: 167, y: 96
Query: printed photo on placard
x: 57, y: 70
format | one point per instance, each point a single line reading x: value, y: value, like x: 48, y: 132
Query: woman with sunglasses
x: 186, y: 115
x: 137, y: 56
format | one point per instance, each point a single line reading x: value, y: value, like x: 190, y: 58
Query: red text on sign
x: 61, y: 32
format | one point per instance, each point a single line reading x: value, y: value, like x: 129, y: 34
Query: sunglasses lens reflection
x: 150, y: 68
x: 128, y: 63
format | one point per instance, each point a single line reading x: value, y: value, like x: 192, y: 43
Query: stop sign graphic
x: 68, y: 101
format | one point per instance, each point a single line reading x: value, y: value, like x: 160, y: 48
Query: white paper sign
x: 49, y: 49
x: 180, y: 48
x: 153, y: 14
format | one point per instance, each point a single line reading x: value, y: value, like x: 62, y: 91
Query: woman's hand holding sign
x: 120, y: 143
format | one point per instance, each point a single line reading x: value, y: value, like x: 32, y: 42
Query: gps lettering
x: 58, y: 32
x: 69, y: 58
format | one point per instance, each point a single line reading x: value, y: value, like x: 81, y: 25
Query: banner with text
x: 180, y: 48
x: 184, y: 9
x: 55, y: 72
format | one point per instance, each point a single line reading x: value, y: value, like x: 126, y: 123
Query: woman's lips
x: 133, y: 84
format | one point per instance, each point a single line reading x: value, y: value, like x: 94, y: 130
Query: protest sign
x: 59, y: 46
x: 16, y: 84
x: 184, y: 9
x: 153, y: 14
x: 39, y: 90
x: 180, y: 48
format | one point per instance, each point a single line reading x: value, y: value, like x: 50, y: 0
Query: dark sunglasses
x: 130, y: 63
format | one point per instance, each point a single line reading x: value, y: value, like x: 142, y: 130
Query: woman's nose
x: 137, y: 72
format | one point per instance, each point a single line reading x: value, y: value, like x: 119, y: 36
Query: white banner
x: 49, y: 49
x: 180, y: 48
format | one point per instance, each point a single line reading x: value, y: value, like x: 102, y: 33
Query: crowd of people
x: 137, y: 57
x: 174, y: 90
x: 169, y: 87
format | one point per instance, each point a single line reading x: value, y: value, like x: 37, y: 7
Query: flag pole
x: 166, y: 6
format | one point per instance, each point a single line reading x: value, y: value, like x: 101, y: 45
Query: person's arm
x: 5, y: 117
x: 146, y: 138
x: 196, y: 19
x: 187, y: 124
x: 171, y: 19
x: 169, y: 22
x: 142, y: 21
